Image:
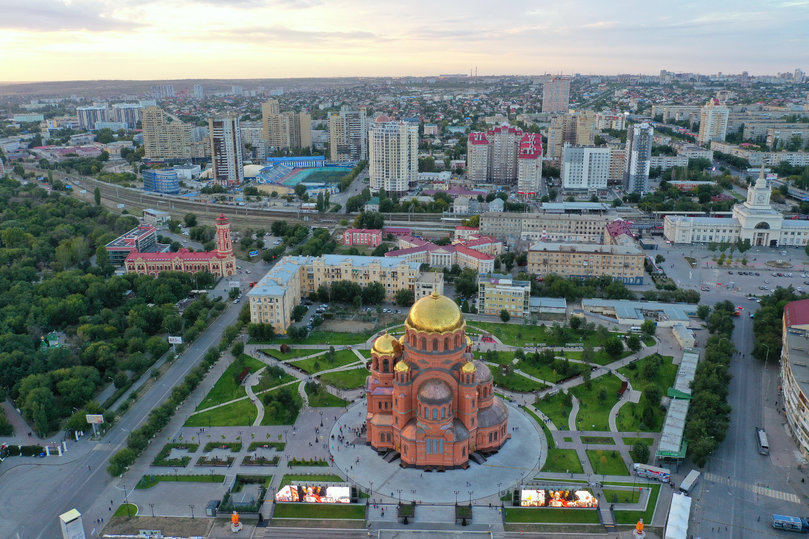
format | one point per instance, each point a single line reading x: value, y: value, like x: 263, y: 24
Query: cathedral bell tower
x: 224, y: 245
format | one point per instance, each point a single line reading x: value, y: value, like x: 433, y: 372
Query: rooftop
x: 671, y: 439
x: 796, y: 313
x: 640, y: 310
x: 592, y: 248
x: 798, y: 344
x: 128, y: 239
x: 685, y: 374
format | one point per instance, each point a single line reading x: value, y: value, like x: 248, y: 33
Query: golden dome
x: 468, y: 367
x: 386, y: 344
x: 401, y: 366
x: 435, y: 314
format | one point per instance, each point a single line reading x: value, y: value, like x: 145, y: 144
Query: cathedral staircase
x: 391, y: 456
x: 477, y: 457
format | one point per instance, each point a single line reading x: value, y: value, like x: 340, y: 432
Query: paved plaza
x: 520, y: 458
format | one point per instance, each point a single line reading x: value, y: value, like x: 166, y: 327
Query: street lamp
x: 470, y: 497
x: 191, y: 505
x: 400, y: 496
x: 767, y: 355
x: 152, y: 507
x: 321, y: 418
x: 456, y: 496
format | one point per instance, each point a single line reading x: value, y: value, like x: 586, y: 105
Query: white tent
x: 680, y: 510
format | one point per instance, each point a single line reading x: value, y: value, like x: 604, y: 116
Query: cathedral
x: 428, y: 399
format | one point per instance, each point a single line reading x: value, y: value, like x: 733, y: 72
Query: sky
x: 47, y: 40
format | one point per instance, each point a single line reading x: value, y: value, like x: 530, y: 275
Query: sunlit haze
x: 171, y: 39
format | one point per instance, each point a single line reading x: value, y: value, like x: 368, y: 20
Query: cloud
x: 291, y: 36
x: 44, y: 16
x: 283, y: 4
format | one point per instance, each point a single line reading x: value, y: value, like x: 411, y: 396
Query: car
x: 730, y: 272
x: 248, y: 272
x: 235, y: 301
x: 758, y: 274
x: 751, y: 315
x: 774, y: 274
x: 789, y: 274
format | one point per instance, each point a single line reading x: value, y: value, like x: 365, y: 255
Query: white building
x: 226, y: 150
x: 529, y: 165
x: 393, y: 156
x: 638, y: 154
x: 713, y: 122
x: 665, y: 162
x: 585, y: 168
x: 88, y: 116
x: 754, y: 220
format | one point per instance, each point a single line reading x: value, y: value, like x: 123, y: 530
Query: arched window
x: 423, y: 343
x: 457, y: 341
x: 435, y: 413
x: 443, y: 412
x: 446, y: 343
x: 381, y: 437
x: 385, y: 365
x: 435, y: 345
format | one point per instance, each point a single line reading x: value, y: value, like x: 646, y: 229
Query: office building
x: 583, y: 260
x: 161, y: 181
x: 220, y: 262
x: 89, y: 115
x: 274, y: 297
x: 544, y: 226
x: 226, y: 151
x: 348, y: 135
x: 393, y: 157
x: 795, y: 372
x: 497, y: 293
x: 428, y: 398
x: 754, y: 220
x: 285, y: 130
x: 713, y: 122
x: 126, y: 113
x: 529, y: 165
x: 166, y: 139
x: 494, y: 155
x: 198, y: 92
x: 556, y: 94
x: 585, y: 168
x: 142, y: 239
x: 638, y: 154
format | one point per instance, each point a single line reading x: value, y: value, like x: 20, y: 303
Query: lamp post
x: 152, y: 507
x: 767, y: 355
x: 400, y: 496
x: 191, y: 505
x: 456, y: 496
x: 321, y: 418
x: 498, y: 490
x: 470, y: 497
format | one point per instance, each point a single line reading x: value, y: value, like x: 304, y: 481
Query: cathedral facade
x: 428, y: 399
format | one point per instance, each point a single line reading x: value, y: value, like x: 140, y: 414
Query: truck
x: 689, y: 482
x: 793, y: 524
x: 652, y: 472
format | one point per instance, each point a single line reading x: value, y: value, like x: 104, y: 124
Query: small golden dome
x: 435, y: 314
x: 468, y: 367
x: 386, y: 344
x: 468, y: 341
x: 401, y: 366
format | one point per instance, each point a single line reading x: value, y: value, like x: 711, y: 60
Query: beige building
x: 166, y: 139
x: 393, y: 156
x: 587, y: 228
x: 795, y: 373
x: 713, y: 122
x: 621, y: 262
x: 617, y: 163
x: 274, y: 297
x: 499, y: 292
x: 285, y: 130
x: 574, y: 129
x: 556, y: 94
x: 348, y: 135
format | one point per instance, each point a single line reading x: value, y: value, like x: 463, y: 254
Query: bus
x: 793, y: 524
x: 761, y: 440
x: 689, y: 482
x: 652, y: 472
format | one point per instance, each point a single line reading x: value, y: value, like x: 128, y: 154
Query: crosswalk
x: 757, y: 489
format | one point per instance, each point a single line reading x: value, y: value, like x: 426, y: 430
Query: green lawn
x: 552, y: 515
x: 319, y: 511
x: 631, y: 517
x: 603, y: 440
x: 513, y: 334
x: 365, y: 353
x: 648, y: 341
x: 556, y: 409
x: 126, y: 510
x: 607, y: 462
x: 595, y: 403
x: 323, y: 398
x: 335, y: 338
x: 633, y: 441
x: 621, y: 496
x: 293, y: 353
x: 311, y: 478
x: 352, y: 379
x: 342, y: 357
x: 285, y: 417
x: 240, y: 413
x: 148, y: 481
x: 548, y: 372
x: 562, y: 461
x: 663, y: 373
x: 227, y: 387
x: 502, y: 358
x: 514, y: 381
x: 272, y: 377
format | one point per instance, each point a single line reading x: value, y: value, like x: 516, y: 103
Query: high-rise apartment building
x: 577, y: 129
x: 556, y: 94
x: 226, y: 150
x: 393, y: 156
x: 162, y: 91
x: 713, y: 122
x: 164, y: 139
x: 89, y: 115
x: 493, y: 155
x: 198, y: 92
x: 617, y: 163
x: 638, y: 157
x: 348, y: 135
x: 284, y: 130
x: 529, y: 165
x: 126, y: 113
x: 585, y: 168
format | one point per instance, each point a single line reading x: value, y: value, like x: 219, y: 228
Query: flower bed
x: 215, y: 461
x: 260, y: 461
x: 162, y: 458
x: 234, y: 447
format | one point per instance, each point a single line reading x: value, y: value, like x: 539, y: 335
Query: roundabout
x: 520, y: 458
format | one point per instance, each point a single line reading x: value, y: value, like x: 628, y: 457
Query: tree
x: 190, y: 220
x: 640, y: 453
x: 97, y: 196
x: 504, y: 315
x: 300, y: 190
x: 613, y: 346
x: 633, y: 342
x: 404, y: 297
x: 703, y: 311
x: 298, y: 312
x: 575, y: 322
x: 648, y: 327
x: 373, y: 294
x: 652, y: 395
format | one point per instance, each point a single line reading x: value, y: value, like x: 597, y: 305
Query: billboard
x: 175, y: 339
x: 95, y: 419
x: 313, y: 494
x: 234, y: 284
x: 253, y: 253
x: 557, y: 498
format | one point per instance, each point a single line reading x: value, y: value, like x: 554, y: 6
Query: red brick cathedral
x: 427, y: 398
x: 221, y: 261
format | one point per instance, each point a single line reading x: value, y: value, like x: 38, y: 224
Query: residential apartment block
x: 556, y: 94
x: 348, y: 135
x: 576, y: 129
x: 529, y: 166
x: 756, y: 159
x: 476, y: 252
x: 274, y: 297
x: 638, y: 154
x: 544, y: 226
x: 582, y: 260
x: 585, y: 168
x: 500, y: 292
x: 166, y: 139
x: 713, y: 122
x: 393, y: 156
x: 795, y: 372
x: 496, y: 156
x: 226, y: 151
x: 285, y: 130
